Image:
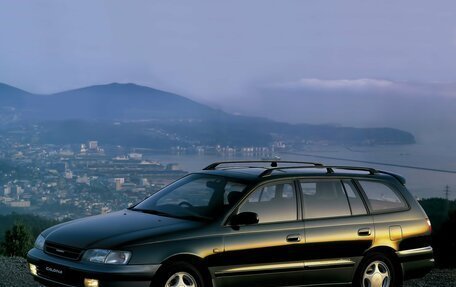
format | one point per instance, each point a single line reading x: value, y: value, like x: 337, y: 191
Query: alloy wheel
x: 377, y: 274
x: 181, y: 279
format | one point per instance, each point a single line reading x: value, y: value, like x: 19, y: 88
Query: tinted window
x: 273, y: 203
x: 233, y: 193
x: 324, y: 199
x: 195, y: 195
x: 381, y: 196
x: 356, y: 203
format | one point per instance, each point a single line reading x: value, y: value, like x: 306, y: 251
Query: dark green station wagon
x: 257, y: 223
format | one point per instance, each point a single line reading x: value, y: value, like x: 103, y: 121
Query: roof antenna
x: 273, y: 164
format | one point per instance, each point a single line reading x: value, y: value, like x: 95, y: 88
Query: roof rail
x: 371, y: 171
x: 273, y: 163
x: 329, y: 169
x: 400, y: 178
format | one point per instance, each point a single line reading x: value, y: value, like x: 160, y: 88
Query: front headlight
x: 107, y: 256
x: 39, y: 242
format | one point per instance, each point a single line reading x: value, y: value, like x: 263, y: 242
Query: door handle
x: 294, y: 238
x: 364, y: 232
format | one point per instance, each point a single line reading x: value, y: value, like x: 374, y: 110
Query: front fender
x: 205, y: 248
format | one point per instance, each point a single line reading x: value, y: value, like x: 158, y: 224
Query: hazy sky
x: 212, y: 48
x: 231, y: 54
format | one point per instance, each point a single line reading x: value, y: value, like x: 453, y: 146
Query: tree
x: 445, y: 242
x: 18, y: 241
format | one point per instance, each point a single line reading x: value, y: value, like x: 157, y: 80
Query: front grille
x: 67, y: 276
x: 63, y: 251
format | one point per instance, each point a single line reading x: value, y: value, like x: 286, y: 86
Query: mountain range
x: 145, y: 117
x: 122, y: 102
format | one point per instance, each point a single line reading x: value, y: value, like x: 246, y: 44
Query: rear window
x: 382, y: 197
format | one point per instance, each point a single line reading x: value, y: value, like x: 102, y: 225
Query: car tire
x: 377, y: 270
x: 179, y: 274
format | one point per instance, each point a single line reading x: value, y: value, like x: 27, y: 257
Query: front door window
x: 273, y: 203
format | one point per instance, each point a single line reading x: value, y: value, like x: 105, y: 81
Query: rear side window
x: 381, y: 196
x: 356, y: 203
x: 324, y: 199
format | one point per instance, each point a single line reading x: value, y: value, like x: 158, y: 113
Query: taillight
x: 429, y: 224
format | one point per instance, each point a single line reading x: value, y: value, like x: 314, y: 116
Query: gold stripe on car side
x: 267, y: 267
x: 328, y: 263
x: 417, y: 251
x: 315, y: 264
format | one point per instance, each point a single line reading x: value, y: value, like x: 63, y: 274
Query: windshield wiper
x: 161, y: 213
x: 195, y: 217
x: 155, y: 212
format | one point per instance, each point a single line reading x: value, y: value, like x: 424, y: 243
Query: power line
x: 374, y: 162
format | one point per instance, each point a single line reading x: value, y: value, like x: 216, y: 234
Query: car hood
x: 116, y: 229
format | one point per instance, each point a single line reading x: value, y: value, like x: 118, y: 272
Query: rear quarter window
x: 382, y: 197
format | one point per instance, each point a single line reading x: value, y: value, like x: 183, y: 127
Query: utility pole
x: 447, y: 192
x: 447, y: 200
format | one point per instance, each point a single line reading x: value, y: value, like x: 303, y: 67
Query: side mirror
x: 244, y: 218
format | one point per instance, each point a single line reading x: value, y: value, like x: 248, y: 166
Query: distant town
x: 72, y: 181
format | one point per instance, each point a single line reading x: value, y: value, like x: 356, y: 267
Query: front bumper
x: 53, y: 271
x: 416, y: 262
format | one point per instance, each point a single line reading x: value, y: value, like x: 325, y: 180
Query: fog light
x: 33, y: 269
x: 90, y: 282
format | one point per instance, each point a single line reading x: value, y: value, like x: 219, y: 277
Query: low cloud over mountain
x: 426, y: 109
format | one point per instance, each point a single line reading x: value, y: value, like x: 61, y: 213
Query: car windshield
x: 196, y: 196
